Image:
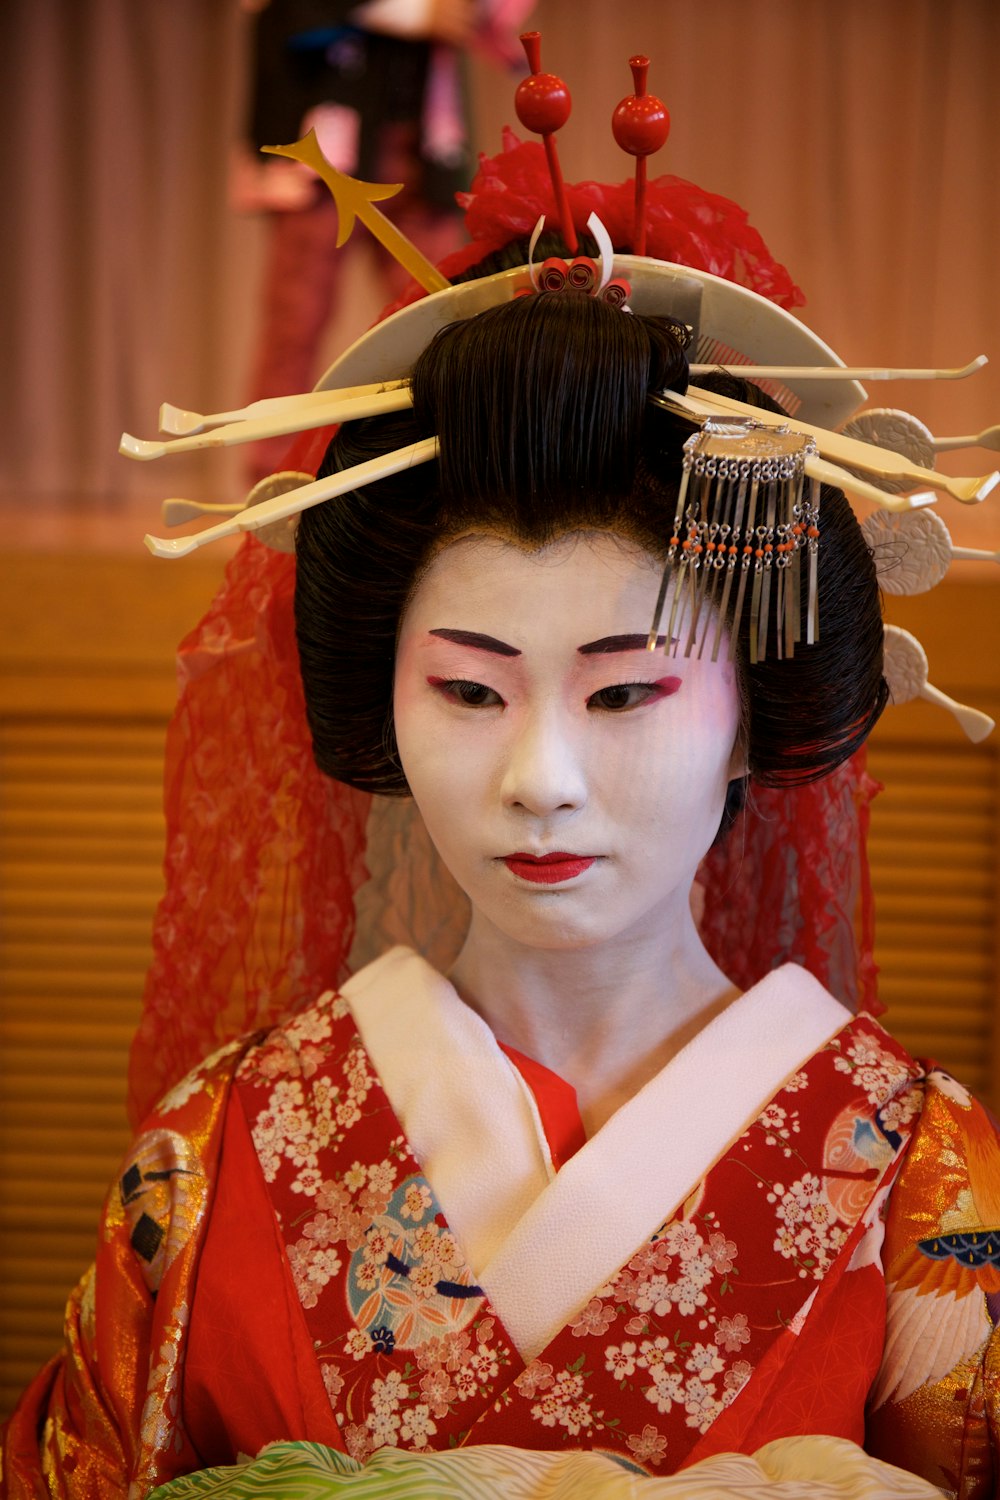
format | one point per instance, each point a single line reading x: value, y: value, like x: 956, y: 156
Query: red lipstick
x: 548, y: 869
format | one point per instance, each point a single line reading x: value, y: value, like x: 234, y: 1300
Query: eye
x: 622, y: 696
x: 472, y: 694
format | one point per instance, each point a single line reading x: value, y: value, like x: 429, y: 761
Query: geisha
x: 577, y: 1194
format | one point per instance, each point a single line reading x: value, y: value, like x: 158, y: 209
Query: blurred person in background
x: 382, y: 85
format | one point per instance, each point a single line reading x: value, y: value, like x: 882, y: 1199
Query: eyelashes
x: 623, y: 696
x: 464, y: 691
x: 617, y: 698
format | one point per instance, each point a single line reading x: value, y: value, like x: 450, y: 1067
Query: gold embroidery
x: 160, y: 1431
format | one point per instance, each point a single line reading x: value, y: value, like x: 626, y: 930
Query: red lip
x: 548, y: 869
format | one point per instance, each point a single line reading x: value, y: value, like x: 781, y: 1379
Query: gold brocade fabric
x: 104, y: 1418
x: 935, y: 1407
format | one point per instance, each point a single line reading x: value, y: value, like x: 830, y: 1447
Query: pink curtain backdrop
x: 862, y: 137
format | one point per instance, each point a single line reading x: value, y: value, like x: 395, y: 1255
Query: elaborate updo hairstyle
x: 541, y: 407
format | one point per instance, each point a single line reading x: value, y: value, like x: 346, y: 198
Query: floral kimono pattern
x: 651, y: 1369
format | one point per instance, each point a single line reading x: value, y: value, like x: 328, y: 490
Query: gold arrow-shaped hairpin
x: 356, y: 200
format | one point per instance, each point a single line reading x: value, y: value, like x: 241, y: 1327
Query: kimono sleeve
x: 104, y: 1418
x: 935, y: 1405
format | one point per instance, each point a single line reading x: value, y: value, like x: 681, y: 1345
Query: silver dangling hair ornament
x: 744, y: 511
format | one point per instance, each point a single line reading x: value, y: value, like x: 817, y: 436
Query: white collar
x: 542, y: 1245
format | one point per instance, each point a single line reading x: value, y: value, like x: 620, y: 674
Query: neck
x: 605, y: 1018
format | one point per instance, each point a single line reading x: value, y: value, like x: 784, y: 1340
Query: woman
x: 580, y: 1193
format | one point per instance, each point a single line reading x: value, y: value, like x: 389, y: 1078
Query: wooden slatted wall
x: 86, y: 684
x: 935, y: 851
x: 935, y: 841
x: 86, y: 687
x: 80, y: 826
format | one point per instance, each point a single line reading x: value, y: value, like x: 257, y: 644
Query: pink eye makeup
x: 621, y: 697
x: 464, y: 691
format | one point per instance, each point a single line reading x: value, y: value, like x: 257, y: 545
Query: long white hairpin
x: 698, y: 406
x: 177, y: 421
x: 851, y: 372
x: 282, y: 415
x: 283, y: 507
x: 261, y: 516
x: 901, y: 432
x: 296, y: 414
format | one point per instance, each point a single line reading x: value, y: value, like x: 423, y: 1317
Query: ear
x: 738, y: 768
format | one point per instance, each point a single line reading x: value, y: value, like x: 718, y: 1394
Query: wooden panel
x: 935, y: 852
x: 74, y: 947
x: 86, y: 686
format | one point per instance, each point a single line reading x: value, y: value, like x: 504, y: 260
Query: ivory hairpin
x: 282, y: 415
x: 988, y: 438
x: 338, y: 407
x: 283, y: 507
x: 279, y: 535
x: 843, y: 372
x: 176, y: 421
x: 888, y: 427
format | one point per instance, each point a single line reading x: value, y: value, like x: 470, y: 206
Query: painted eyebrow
x: 609, y: 645
x: 476, y: 641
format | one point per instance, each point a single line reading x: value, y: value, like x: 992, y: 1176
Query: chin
x: 552, y: 927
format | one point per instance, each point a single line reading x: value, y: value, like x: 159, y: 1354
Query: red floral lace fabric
x: 263, y: 853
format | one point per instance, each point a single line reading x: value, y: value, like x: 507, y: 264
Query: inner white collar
x: 540, y: 1246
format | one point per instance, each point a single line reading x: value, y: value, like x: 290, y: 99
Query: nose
x: 544, y: 772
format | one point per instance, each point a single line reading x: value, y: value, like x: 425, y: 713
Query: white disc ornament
x: 280, y: 535
x: 912, y: 549
x: 905, y: 670
x: 897, y: 431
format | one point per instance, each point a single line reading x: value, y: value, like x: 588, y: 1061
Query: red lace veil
x: 269, y: 864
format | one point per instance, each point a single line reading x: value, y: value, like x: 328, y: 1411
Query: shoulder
x: 949, y: 1186
x: 301, y: 1045
x: 316, y: 1035
x: 160, y: 1202
x: 941, y: 1256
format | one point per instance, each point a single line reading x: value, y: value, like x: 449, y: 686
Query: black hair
x: 545, y: 427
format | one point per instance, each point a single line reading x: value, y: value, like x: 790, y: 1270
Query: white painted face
x: 570, y: 779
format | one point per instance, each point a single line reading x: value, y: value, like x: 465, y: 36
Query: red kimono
x: 283, y: 1258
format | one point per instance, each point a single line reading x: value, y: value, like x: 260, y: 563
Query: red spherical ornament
x: 641, y: 124
x: 543, y: 103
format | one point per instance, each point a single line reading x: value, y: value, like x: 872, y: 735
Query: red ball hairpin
x: 543, y: 105
x: 640, y: 125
